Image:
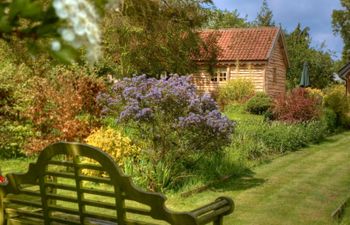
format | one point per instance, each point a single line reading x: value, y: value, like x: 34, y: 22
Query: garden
x: 162, y: 132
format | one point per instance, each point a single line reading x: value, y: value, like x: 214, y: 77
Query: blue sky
x: 315, y: 14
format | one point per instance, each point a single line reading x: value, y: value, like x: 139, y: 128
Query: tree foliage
x: 321, y: 65
x: 225, y: 19
x: 265, y: 16
x: 155, y: 37
x: 341, y: 25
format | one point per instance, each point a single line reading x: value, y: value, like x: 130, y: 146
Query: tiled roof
x: 245, y: 44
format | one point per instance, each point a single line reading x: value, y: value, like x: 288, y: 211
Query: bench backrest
x: 78, y: 184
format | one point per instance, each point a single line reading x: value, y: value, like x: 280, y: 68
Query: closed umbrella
x: 305, y: 79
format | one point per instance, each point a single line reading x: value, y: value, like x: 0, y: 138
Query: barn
x: 258, y: 54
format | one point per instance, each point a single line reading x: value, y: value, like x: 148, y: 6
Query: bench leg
x: 218, y: 221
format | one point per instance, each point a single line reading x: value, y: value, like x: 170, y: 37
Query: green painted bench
x: 78, y: 184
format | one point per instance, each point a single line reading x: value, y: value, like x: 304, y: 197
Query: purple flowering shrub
x: 171, y: 121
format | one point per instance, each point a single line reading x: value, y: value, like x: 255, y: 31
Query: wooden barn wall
x: 202, y: 78
x: 276, y: 86
x: 251, y: 72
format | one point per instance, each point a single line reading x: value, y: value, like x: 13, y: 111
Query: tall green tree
x: 341, y: 25
x: 265, y: 16
x: 218, y: 18
x: 320, y: 62
x: 155, y: 37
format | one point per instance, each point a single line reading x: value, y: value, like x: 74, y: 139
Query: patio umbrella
x: 305, y: 78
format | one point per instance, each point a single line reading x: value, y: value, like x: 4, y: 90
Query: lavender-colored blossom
x: 168, y: 102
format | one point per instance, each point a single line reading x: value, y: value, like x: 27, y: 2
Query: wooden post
x: 218, y: 221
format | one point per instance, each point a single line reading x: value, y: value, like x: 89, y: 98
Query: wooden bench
x: 78, y: 184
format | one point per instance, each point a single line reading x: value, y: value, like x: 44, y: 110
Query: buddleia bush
x: 170, y: 121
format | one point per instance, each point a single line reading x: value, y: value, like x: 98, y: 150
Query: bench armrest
x: 214, y: 211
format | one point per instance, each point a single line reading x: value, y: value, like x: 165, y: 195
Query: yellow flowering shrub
x: 336, y: 99
x: 114, y: 143
x: 316, y: 94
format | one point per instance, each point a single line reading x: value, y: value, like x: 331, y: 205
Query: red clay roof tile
x: 245, y: 44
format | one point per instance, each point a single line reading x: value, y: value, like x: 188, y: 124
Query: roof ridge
x: 240, y: 28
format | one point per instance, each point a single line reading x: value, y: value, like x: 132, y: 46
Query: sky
x: 316, y: 14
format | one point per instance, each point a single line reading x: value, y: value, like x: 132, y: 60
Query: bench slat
x: 63, y: 209
x: 62, y: 198
x: 71, y: 164
x: 96, y: 179
x: 138, y: 211
x: 64, y: 221
x: 24, y: 213
x: 61, y: 186
x: 23, y: 202
x: 98, y: 192
x: 31, y: 193
x: 99, y: 204
x: 100, y: 216
x: 60, y: 174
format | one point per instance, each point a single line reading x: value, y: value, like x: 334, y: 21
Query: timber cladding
x: 257, y: 54
x: 344, y: 73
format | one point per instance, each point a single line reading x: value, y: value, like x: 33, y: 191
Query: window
x: 219, y: 75
x: 222, y: 76
x: 274, y: 75
x: 214, y: 77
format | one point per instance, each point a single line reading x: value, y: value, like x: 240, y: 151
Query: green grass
x: 346, y: 217
x: 15, y: 165
x: 303, y: 187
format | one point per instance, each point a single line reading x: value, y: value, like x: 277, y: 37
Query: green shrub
x: 280, y: 137
x: 12, y: 139
x: 345, y: 121
x: 247, y: 144
x: 336, y: 100
x: 329, y: 118
x: 315, y: 131
x: 257, y: 140
x: 259, y: 103
x: 238, y: 90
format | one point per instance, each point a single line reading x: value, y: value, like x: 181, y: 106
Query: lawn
x: 303, y: 187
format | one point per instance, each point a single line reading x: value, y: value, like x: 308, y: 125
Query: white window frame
x: 220, y: 75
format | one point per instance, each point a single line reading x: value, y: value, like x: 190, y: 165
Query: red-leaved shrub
x: 296, y: 106
x: 63, y: 108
